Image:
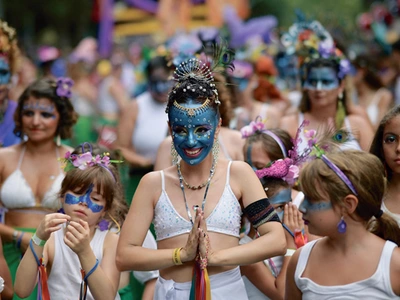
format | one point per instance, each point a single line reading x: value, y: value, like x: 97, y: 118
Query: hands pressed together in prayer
x: 198, y: 244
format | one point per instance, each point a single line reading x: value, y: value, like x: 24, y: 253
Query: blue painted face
x: 322, y: 79
x: 193, y: 136
x: 279, y: 200
x: 72, y: 199
x: 306, y: 206
x: 5, y: 73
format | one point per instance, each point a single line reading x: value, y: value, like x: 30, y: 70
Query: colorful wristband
x: 176, y: 257
x: 38, y: 241
x: 15, y: 235
x: 19, y: 241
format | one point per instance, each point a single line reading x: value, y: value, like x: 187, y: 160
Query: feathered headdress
x: 310, y: 40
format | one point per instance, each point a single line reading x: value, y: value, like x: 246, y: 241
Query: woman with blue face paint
x: 74, y: 251
x: 143, y: 124
x: 9, y: 55
x: 325, y: 102
x: 196, y: 205
x: 343, y: 197
x: 30, y: 173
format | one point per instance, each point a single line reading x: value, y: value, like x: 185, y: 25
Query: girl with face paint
x: 325, y: 99
x: 80, y: 239
x: 386, y: 147
x: 196, y: 204
x: 343, y: 198
x: 30, y: 172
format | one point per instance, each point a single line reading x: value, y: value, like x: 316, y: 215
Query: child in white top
x: 355, y: 259
x: 78, y: 240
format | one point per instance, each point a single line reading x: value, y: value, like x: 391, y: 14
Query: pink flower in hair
x: 311, y: 136
x: 292, y: 174
x: 252, y: 128
x: 67, y: 155
x: 83, y: 161
x: 106, y: 160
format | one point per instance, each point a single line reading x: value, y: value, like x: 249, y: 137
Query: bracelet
x: 290, y: 252
x: 20, y: 240
x: 38, y: 241
x: 176, y: 257
x: 15, y: 235
x: 92, y: 270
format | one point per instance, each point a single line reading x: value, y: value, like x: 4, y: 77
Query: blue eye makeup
x: 322, y: 78
x: 391, y: 139
x: 72, y: 199
x: 306, y: 206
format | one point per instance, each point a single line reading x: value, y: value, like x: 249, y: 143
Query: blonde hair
x: 367, y: 174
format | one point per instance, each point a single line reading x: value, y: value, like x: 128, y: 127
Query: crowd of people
x: 193, y: 173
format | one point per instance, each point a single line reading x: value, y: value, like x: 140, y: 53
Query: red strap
x: 43, y: 282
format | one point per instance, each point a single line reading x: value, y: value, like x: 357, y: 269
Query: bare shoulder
x: 64, y: 149
x: 242, y: 172
x: 395, y: 270
x: 358, y: 121
x: 9, y: 154
x: 111, y: 239
x: 166, y: 143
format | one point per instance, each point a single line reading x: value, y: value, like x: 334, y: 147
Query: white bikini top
x: 225, y: 218
x: 351, y: 144
x: 16, y: 192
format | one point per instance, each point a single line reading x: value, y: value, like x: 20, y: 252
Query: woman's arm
x: 362, y: 131
x: 272, y: 238
x: 292, y: 292
x: 130, y: 253
x: 125, y: 130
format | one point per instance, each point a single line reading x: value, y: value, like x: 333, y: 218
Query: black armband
x: 260, y: 212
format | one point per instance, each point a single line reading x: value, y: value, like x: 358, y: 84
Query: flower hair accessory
x: 63, y: 88
x: 86, y: 160
x: 310, y: 40
x: 258, y: 127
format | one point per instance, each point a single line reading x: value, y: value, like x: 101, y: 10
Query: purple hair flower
x: 83, y: 161
x: 103, y: 225
x: 64, y: 85
x: 325, y: 49
x: 344, y: 68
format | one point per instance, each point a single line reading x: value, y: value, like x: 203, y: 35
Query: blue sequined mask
x: 5, y: 74
x: 306, y: 206
x: 322, y: 79
x: 72, y: 199
x: 193, y: 134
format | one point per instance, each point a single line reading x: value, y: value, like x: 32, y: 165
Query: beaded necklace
x: 212, y: 171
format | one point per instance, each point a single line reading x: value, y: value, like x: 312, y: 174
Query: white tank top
x: 376, y: 287
x: 151, y: 126
x: 65, y: 277
x: 393, y: 215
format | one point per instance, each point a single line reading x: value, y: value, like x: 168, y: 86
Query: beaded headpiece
x: 310, y: 40
x: 201, y: 69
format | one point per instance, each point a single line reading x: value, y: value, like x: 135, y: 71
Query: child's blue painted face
x: 85, y: 199
x: 193, y: 136
x: 321, y: 78
x: 306, y: 206
x: 5, y: 74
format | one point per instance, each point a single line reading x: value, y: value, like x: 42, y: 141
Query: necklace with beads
x: 207, y: 185
x: 200, y: 186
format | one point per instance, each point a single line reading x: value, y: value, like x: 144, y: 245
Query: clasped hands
x: 198, y: 244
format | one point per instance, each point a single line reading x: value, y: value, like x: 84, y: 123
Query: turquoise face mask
x: 193, y: 133
x: 321, y: 79
x: 306, y: 206
x: 72, y: 199
x: 5, y: 74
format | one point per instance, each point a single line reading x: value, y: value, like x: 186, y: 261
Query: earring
x: 174, y: 154
x: 340, y: 95
x: 341, y: 226
x: 215, y: 151
x: 58, y: 140
x: 103, y: 225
